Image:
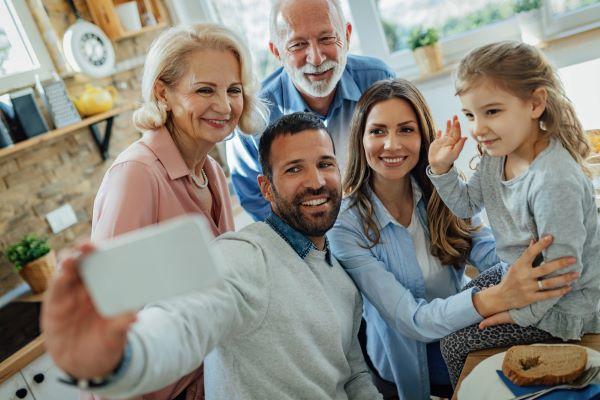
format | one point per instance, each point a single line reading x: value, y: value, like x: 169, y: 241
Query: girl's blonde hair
x: 168, y: 60
x: 520, y: 69
x: 450, y: 236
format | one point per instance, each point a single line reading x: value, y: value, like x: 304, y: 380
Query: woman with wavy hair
x: 197, y: 87
x: 407, y: 252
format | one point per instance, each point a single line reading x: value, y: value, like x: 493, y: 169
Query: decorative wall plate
x: 88, y: 50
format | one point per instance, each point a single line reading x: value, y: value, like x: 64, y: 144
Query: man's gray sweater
x: 278, y: 327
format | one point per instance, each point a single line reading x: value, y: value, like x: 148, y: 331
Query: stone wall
x: 68, y: 170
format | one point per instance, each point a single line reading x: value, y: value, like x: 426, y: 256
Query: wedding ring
x: 540, y: 285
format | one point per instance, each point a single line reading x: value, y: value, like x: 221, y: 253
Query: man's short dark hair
x: 287, y: 125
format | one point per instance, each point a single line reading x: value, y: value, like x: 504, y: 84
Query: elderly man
x: 282, y: 326
x: 310, y: 38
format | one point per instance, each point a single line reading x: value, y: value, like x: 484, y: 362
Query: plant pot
x: 530, y: 25
x: 37, y: 273
x: 428, y: 58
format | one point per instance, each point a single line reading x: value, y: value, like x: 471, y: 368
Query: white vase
x: 530, y: 25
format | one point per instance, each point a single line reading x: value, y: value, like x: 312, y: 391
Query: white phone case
x: 150, y: 264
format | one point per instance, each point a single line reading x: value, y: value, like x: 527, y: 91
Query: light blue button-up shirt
x: 283, y: 98
x: 400, y: 322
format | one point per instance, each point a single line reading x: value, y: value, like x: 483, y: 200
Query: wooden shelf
x: 27, y: 353
x: 104, y: 14
x: 21, y: 358
x: 146, y: 29
x: 31, y: 298
x: 57, y: 133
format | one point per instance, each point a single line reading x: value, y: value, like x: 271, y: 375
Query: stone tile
x: 8, y: 167
x: 31, y: 176
x: 41, y: 155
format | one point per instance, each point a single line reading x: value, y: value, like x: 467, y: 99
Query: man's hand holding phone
x: 82, y: 342
x: 91, y: 302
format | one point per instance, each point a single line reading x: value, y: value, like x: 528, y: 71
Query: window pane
x: 563, y: 6
x: 354, y: 39
x: 15, y: 50
x: 449, y: 17
x: 250, y: 18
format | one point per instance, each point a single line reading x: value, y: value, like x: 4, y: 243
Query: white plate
x: 483, y: 383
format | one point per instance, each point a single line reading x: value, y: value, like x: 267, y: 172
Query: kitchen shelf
x: 21, y: 358
x: 146, y: 29
x: 90, y: 122
x: 29, y: 352
x: 104, y: 14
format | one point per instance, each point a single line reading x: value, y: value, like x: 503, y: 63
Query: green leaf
x: 420, y: 37
x: 526, y: 5
x: 30, y: 248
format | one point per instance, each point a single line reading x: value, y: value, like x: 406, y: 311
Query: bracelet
x: 96, y: 382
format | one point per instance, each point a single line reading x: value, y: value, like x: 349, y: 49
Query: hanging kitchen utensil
x: 87, y: 48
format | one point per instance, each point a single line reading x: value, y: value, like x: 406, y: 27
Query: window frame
x: 569, y: 23
x: 368, y: 24
x: 36, y: 45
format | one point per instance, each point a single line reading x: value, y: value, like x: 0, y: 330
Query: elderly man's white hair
x: 275, y: 27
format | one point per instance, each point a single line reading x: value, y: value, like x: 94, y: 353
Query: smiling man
x: 310, y: 38
x: 307, y: 197
x: 284, y: 323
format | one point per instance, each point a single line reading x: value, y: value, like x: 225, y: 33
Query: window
x: 561, y: 16
x: 463, y: 25
x: 15, y: 51
x: 22, y: 52
x: 564, y: 6
x: 380, y: 27
x: 250, y: 18
x: 449, y: 17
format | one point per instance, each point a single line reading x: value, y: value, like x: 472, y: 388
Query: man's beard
x: 291, y: 212
x: 320, y: 88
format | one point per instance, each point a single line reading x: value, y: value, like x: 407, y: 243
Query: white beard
x: 321, y: 88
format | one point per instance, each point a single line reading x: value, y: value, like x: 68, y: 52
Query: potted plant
x: 34, y: 260
x: 426, y: 49
x: 529, y: 18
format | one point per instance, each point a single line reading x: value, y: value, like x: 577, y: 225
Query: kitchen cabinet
x: 37, y: 381
x: 15, y: 388
x: 42, y: 375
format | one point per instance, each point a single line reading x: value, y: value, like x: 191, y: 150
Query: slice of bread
x: 544, y: 365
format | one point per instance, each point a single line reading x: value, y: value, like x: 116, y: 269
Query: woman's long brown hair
x: 450, y: 235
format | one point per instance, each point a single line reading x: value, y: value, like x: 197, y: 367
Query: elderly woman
x: 407, y: 252
x: 197, y: 87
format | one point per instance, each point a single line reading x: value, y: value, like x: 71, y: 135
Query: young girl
x: 532, y: 182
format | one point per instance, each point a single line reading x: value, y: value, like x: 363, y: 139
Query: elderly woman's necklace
x: 201, y: 184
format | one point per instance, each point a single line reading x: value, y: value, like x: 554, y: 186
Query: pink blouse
x: 148, y: 183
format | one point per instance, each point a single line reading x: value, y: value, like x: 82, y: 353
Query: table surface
x: 591, y: 341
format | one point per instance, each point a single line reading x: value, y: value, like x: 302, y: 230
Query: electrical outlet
x: 61, y: 218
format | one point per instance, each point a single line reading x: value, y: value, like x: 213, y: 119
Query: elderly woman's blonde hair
x: 168, y: 59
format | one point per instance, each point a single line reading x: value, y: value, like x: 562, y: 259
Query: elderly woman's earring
x: 162, y: 107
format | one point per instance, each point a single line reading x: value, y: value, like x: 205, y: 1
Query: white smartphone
x: 150, y: 264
